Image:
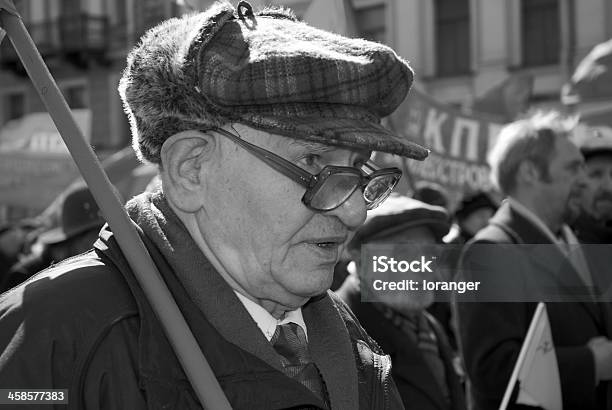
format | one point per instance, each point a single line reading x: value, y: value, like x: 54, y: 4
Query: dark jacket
x: 414, y: 379
x: 589, y: 230
x: 85, y: 325
x: 491, y: 334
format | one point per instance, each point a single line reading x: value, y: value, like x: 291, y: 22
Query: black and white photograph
x: 306, y: 204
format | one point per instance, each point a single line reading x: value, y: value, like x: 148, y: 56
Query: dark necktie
x: 290, y: 343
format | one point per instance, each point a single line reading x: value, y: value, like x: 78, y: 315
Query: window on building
x: 70, y: 7
x: 76, y: 96
x: 540, y: 28
x: 452, y: 30
x: 370, y: 22
x: 14, y: 106
x: 120, y: 14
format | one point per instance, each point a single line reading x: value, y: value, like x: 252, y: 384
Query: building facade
x: 462, y: 48
x: 84, y: 43
x: 459, y: 49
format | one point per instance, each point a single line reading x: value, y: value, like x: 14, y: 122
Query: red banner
x: 459, y: 143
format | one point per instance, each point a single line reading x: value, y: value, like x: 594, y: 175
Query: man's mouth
x: 327, y: 244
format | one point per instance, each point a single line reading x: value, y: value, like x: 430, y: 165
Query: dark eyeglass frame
x: 312, y: 182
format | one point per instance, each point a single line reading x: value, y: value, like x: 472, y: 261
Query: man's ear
x: 528, y: 173
x: 184, y: 158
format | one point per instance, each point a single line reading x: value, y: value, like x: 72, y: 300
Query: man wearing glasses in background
x: 262, y: 128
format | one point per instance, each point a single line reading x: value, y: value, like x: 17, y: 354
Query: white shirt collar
x: 266, y: 322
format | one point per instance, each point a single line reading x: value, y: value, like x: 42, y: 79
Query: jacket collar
x: 549, y: 259
x: 521, y: 229
x: 524, y: 231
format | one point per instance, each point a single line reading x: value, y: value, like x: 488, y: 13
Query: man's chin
x: 319, y: 283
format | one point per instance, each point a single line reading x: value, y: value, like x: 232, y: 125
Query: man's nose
x: 353, y: 211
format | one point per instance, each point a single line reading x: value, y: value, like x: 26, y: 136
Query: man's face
x: 270, y: 244
x: 413, y: 301
x: 597, y: 195
x: 562, y: 192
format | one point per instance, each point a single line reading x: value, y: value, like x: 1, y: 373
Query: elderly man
x: 535, y: 257
x: 594, y: 225
x: 423, y: 360
x: 262, y: 128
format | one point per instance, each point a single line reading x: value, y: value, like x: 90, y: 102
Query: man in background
x: 594, y: 224
x: 526, y: 254
x: 424, y: 364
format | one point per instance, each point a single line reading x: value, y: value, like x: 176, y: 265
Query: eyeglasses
x: 331, y: 187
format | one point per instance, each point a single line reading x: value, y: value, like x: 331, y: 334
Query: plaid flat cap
x: 266, y: 70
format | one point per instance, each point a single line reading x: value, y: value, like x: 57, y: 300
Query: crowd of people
x: 263, y: 128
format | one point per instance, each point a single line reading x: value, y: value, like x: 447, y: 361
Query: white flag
x: 536, y: 368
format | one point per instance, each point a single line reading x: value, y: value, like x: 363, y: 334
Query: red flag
x: 508, y: 99
x: 592, y: 79
x: 589, y: 92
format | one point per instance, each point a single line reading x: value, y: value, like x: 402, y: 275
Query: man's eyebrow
x: 310, y: 146
x: 317, y: 147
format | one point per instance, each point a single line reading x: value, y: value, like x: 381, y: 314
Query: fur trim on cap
x: 158, y: 95
x: 268, y: 71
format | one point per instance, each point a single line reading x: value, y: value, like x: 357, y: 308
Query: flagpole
x: 182, y: 340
